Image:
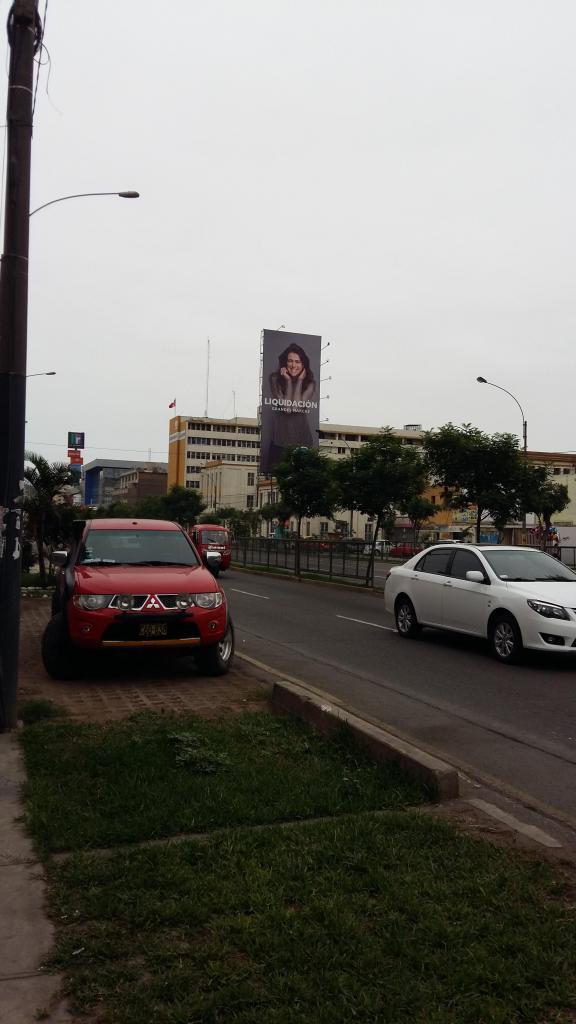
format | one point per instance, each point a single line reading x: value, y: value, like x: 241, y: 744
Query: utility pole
x: 24, y: 37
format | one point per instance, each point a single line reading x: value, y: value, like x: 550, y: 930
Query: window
x: 435, y: 561
x: 251, y: 479
x: 433, y: 499
x: 368, y: 532
x: 463, y: 562
x: 556, y: 471
x: 323, y: 529
x: 250, y: 501
x: 565, y: 472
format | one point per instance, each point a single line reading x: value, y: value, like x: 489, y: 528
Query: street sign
x: 75, y: 439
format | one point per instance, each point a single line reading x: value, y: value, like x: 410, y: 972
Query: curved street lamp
x: 85, y: 195
x: 482, y: 380
x: 45, y: 373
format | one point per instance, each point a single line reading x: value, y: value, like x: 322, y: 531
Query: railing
x: 565, y: 554
x: 332, y: 559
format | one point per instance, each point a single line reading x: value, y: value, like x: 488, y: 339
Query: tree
x: 479, y: 469
x: 307, y: 487
x: 418, y: 509
x: 47, y: 481
x: 275, y: 510
x: 182, y: 505
x: 544, y: 497
x: 377, y: 478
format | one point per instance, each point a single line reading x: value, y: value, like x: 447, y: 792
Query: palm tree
x: 47, y: 481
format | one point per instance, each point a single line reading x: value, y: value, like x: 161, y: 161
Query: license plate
x: 149, y: 630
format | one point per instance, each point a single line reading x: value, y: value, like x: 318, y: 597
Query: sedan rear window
x: 137, y: 547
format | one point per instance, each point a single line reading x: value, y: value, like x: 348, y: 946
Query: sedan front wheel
x: 505, y: 639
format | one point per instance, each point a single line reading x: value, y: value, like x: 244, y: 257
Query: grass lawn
x: 155, y: 775
x: 388, y: 918
x: 393, y: 919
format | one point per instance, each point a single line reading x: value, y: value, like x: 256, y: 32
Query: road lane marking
x: 364, y: 623
x: 249, y: 594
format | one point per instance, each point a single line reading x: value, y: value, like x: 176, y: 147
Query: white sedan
x: 515, y: 597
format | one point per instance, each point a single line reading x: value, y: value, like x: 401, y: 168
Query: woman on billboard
x: 293, y: 392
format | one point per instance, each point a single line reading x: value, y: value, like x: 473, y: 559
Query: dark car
x: 135, y: 584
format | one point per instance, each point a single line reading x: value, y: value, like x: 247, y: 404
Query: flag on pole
x: 172, y: 404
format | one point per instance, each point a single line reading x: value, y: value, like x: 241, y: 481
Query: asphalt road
x: 512, y: 724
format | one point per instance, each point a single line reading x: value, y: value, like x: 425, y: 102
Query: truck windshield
x: 137, y: 547
x: 215, y: 536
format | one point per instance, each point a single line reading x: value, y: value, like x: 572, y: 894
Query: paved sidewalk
x: 25, y: 933
x: 119, y: 684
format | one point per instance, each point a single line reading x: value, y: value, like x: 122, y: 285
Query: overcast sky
x: 396, y: 176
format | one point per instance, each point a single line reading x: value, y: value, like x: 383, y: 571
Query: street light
x: 84, y: 195
x: 46, y: 373
x: 13, y: 338
x: 482, y: 380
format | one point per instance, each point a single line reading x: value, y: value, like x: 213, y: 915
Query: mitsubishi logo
x: 152, y: 604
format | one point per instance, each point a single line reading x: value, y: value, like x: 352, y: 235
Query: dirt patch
x: 116, y: 685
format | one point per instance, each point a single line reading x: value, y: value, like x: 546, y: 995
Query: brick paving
x: 116, y: 684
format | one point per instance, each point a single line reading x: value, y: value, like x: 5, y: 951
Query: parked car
x: 515, y: 597
x: 382, y: 548
x: 402, y: 550
x: 213, y: 537
x: 135, y: 583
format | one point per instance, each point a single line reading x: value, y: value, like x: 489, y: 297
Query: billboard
x: 290, y: 394
x: 75, y: 439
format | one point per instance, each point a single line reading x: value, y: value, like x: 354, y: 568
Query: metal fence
x: 566, y: 555
x: 334, y: 559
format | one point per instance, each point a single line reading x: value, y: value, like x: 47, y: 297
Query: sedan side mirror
x: 475, y: 576
x: 59, y: 558
x: 212, y: 558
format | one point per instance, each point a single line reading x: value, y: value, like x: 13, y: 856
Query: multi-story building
x: 220, y: 458
x: 134, y: 484
x: 196, y: 441
x: 100, y: 478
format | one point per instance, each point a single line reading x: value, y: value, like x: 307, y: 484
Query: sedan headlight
x: 92, y: 602
x: 208, y: 600
x: 549, y: 611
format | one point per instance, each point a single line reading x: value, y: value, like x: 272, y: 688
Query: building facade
x: 196, y: 442
x: 151, y: 482
x: 100, y: 478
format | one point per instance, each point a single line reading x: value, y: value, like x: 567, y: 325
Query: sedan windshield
x: 528, y: 566
x: 137, y: 547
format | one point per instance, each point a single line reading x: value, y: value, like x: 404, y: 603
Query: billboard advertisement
x: 290, y: 395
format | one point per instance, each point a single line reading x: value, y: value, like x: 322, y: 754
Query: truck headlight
x: 208, y: 600
x: 92, y: 602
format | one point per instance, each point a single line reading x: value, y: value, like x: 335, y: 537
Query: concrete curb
x: 441, y: 778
